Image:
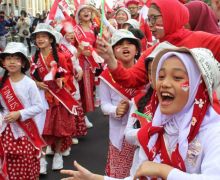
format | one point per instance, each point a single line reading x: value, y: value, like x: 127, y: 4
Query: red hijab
x: 202, y: 18
x: 175, y: 16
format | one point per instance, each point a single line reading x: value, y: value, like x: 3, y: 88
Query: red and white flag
x: 55, y: 12
x: 107, y: 8
x: 60, y: 9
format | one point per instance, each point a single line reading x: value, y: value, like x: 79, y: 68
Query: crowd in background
x: 108, y: 66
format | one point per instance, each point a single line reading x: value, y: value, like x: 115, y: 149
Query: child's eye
x: 178, y: 78
x: 160, y: 77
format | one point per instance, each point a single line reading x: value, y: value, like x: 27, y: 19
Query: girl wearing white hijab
x: 182, y: 142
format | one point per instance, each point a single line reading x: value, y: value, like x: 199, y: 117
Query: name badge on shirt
x: 193, y: 152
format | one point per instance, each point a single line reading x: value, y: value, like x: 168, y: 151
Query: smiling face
x: 85, y: 15
x: 13, y: 63
x: 121, y: 17
x: 125, y: 51
x: 155, y: 22
x: 70, y: 37
x: 169, y: 86
x: 43, y: 40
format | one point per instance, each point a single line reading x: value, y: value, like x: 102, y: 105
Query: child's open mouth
x: 167, y: 98
x: 126, y: 52
x: 86, y: 16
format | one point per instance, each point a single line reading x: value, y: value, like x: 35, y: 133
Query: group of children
x: 180, y: 138
x: 45, y: 108
x: 163, y: 126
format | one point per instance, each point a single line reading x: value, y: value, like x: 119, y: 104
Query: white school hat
x: 208, y: 66
x: 94, y: 10
x: 134, y: 23
x: 160, y: 47
x: 122, y: 34
x: 15, y: 48
x: 125, y: 10
x: 44, y: 27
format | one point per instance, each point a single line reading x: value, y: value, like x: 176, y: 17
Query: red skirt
x: 60, y: 124
x: 81, y: 129
x: 87, y: 85
x: 119, y: 162
x: 21, y: 157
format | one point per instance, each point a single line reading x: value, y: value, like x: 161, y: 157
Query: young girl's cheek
x: 185, y: 86
x: 117, y: 49
x: 18, y: 63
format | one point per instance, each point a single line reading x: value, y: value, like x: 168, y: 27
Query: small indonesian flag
x: 142, y: 118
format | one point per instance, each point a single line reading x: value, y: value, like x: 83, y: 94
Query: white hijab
x: 177, y: 126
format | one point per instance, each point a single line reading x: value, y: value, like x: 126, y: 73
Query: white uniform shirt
x: 109, y: 101
x: 27, y: 92
x: 203, y: 155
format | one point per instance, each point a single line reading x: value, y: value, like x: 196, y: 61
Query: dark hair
x: 146, y: 98
x: 132, y: 41
x: 136, y: 32
x: 23, y: 69
x: 23, y: 12
x: 2, y: 12
x: 55, y: 56
x: 23, y: 57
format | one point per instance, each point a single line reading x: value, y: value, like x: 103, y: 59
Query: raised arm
x: 132, y: 77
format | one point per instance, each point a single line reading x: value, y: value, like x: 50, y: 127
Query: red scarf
x: 148, y: 130
x: 126, y: 93
x: 202, y: 17
x: 62, y: 95
x: 65, y: 50
x: 173, y: 21
x: 81, y: 36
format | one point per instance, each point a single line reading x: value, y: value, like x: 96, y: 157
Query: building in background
x: 30, y: 6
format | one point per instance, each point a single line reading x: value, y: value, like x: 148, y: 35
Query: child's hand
x: 122, y: 108
x: 79, y: 75
x: 12, y: 116
x: 104, y: 49
x: 41, y: 85
x: 80, y: 174
x: 152, y: 169
x: 84, y: 50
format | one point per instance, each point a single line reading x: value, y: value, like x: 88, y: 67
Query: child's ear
x: 51, y: 40
x: 3, y: 63
x: 23, y: 64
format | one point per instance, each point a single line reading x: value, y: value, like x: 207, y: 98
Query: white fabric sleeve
x: 105, y: 97
x: 130, y: 131
x: 36, y: 104
x: 76, y: 64
x: 108, y: 24
x: 180, y: 175
x: 210, y: 166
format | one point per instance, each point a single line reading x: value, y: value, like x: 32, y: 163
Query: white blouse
x: 203, y: 155
x: 27, y: 92
x: 109, y: 101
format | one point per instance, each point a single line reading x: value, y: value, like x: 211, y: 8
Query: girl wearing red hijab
x: 166, y: 25
x: 202, y: 17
